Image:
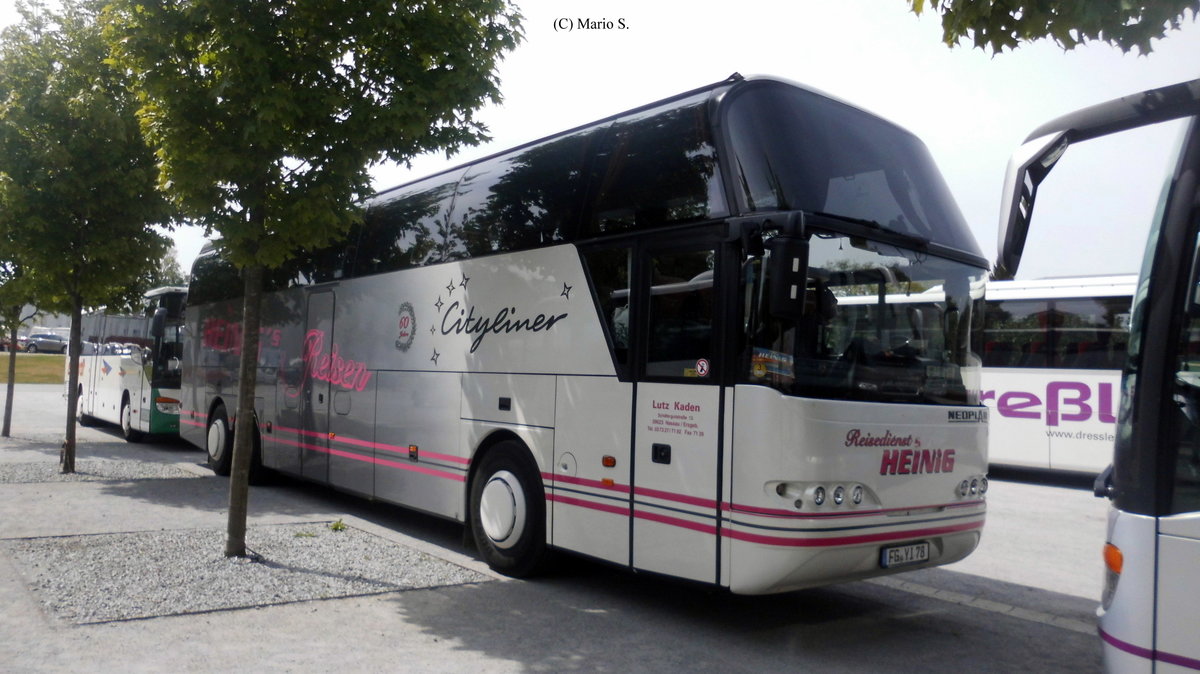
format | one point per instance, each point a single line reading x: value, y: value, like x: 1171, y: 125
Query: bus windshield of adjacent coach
x: 895, y: 277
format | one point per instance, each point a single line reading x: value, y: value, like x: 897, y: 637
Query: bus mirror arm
x: 1103, y: 486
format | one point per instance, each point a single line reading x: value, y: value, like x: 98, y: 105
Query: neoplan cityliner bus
x: 625, y: 341
x: 136, y: 386
x: 1150, y: 608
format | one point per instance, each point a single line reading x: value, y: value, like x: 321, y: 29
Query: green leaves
x: 77, y: 182
x: 266, y: 115
x: 1001, y: 24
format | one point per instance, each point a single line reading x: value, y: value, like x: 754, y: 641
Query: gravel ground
x: 109, y: 577
x: 89, y: 470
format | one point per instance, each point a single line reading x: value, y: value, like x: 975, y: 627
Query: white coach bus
x: 625, y: 341
x: 135, y: 384
x: 1052, y: 355
x: 1150, y: 607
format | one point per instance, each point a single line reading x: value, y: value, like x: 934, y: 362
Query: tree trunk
x: 67, y: 457
x: 12, y: 379
x: 244, y: 421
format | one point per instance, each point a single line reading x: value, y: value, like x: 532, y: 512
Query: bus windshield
x: 797, y: 150
x: 881, y: 324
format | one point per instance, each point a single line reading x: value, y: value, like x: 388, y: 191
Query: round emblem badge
x: 407, y: 325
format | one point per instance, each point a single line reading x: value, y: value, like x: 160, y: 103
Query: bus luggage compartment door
x: 677, y: 435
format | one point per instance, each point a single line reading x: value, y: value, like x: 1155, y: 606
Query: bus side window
x: 608, y: 269
x: 1182, y: 435
x: 657, y: 169
x: 679, y: 336
x: 408, y: 229
x: 520, y: 200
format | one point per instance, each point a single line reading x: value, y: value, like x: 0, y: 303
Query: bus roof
x: 1067, y: 287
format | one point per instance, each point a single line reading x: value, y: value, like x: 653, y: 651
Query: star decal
x: 438, y: 304
x: 450, y: 287
x: 464, y: 282
x: 436, y: 355
x: 432, y: 330
x: 566, y: 291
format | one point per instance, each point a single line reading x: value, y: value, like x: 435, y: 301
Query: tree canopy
x: 267, y: 115
x: 77, y: 182
x: 996, y: 25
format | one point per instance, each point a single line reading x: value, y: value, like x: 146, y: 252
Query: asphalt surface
x: 583, y: 617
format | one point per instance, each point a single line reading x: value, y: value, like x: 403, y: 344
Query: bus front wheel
x: 220, y: 441
x: 131, y: 434
x: 508, y: 507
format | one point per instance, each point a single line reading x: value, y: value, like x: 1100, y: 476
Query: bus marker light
x: 1114, y: 559
x: 332, y: 436
x: 608, y: 461
x: 412, y: 452
x: 608, y: 482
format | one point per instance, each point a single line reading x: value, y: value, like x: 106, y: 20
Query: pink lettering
x: 1056, y: 402
x: 330, y: 367
x: 1106, y: 404
x: 1011, y: 403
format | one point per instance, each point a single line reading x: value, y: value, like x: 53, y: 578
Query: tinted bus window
x: 1085, y: 333
x: 520, y: 200
x: 783, y: 139
x: 655, y: 169
x: 408, y: 229
x: 213, y: 279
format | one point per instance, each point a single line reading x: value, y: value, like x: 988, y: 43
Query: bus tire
x: 508, y: 511
x: 219, y: 443
x: 85, y: 420
x: 131, y: 434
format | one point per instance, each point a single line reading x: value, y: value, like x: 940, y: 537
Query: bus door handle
x: 660, y: 453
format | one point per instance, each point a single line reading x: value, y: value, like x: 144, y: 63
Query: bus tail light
x: 1114, y: 562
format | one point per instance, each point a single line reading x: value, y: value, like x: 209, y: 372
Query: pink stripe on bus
x: 812, y: 542
x: 349, y: 440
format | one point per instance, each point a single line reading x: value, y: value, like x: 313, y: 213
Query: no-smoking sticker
x: 702, y: 367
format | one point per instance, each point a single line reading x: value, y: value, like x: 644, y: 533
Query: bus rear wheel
x: 220, y: 441
x: 131, y: 434
x: 508, y: 506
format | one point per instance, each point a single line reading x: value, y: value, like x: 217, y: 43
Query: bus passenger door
x: 677, y: 413
x: 315, y: 392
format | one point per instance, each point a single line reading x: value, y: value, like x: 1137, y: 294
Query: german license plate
x: 903, y: 555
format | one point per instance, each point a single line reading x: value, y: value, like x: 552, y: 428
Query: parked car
x: 45, y: 342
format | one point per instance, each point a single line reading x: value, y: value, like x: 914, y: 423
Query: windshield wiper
x: 909, y: 239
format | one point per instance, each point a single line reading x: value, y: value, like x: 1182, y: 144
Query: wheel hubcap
x: 502, y: 509
x: 216, y: 439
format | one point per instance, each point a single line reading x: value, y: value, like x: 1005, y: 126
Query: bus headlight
x: 166, y: 405
x: 857, y: 494
x: 818, y: 497
x: 839, y: 495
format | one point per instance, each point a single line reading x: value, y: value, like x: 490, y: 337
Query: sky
x: 971, y: 108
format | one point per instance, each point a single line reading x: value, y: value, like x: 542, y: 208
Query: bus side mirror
x: 158, y: 324
x: 787, y: 276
